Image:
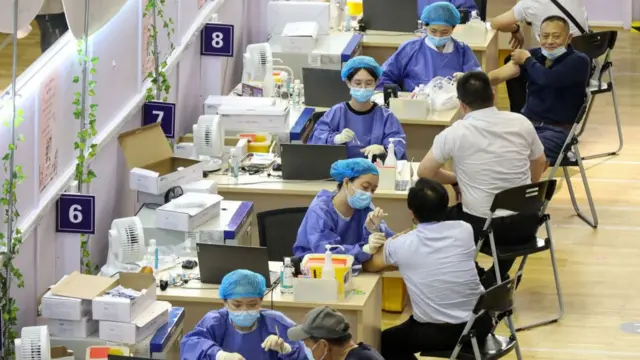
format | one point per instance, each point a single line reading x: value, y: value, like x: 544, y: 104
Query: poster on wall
x: 147, y: 47
x: 48, y: 149
x: 200, y: 3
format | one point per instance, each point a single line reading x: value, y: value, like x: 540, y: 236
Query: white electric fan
x: 126, y: 246
x: 208, y: 139
x: 33, y: 344
x: 258, y: 67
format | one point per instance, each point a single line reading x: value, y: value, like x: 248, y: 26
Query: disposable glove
x: 223, y: 355
x: 373, y: 150
x: 344, y: 137
x: 275, y: 343
x: 373, y: 219
x: 376, y: 240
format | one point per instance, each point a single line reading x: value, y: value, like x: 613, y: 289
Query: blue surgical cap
x: 242, y: 284
x: 360, y: 62
x: 440, y: 13
x: 352, y: 168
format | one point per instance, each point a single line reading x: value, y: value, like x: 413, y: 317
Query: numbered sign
x: 76, y: 213
x: 217, y: 40
x: 164, y: 113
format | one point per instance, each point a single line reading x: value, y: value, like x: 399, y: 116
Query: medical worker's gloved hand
x: 223, y: 355
x: 374, y: 218
x: 275, y: 343
x: 344, y: 137
x: 373, y: 150
x: 457, y: 75
x: 376, y: 240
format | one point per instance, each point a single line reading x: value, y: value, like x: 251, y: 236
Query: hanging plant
x: 159, y: 82
x: 9, y: 273
x: 85, y: 150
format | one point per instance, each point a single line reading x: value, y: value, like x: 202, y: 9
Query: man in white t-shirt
x: 534, y: 12
x: 491, y: 151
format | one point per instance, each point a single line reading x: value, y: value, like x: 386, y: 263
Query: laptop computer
x: 323, y: 87
x: 385, y: 15
x: 309, y: 162
x: 216, y: 261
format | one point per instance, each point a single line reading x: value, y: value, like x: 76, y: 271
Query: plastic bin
x: 394, y: 292
x: 258, y: 143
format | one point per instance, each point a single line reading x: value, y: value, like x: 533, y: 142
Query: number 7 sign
x: 164, y: 113
x: 217, y: 40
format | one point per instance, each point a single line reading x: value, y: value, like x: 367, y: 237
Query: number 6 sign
x: 76, y: 213
x: 217, y: 40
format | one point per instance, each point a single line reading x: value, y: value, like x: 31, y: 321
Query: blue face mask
x: 362, y: 95
x: 438, y: 41
x: 244, y: 318
x: 552, y: 55
x: 360, y: 199
x: 309, y: 353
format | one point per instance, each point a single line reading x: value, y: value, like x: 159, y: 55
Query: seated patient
x: 345, y: 216
x: 557, y: 77
x: 419, y: 60
x: 241, y: 330
x: 491, y: 151
x: 436, y: 261
x: 360, y: 123
x: 325, y: 332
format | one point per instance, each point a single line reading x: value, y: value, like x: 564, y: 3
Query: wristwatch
x: 517, y: 29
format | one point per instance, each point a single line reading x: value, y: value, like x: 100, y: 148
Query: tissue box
x: 71, y: 328
x: 299, y: 37
x: 125, y: 310
x: 143, y: 326
x: 172, y: 217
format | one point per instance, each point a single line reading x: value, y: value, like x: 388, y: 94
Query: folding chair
x: 278, y: 229
x: 570, y: 157
x: 525, y: 199
x: 498, y: 302
x: 596, y: 45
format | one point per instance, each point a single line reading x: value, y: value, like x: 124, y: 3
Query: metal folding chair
x: 498, y: 302
x: 596, y: 45
x: 525, y: 199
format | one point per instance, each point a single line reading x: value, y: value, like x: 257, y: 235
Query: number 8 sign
x: 76, y: 213
x: 217, y: 40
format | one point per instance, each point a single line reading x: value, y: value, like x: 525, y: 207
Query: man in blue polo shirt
x: 557, y: 78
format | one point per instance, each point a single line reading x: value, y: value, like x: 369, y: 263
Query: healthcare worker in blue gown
x: 459, y: 4
x: 345, y: 216
x: 420, y: 60
x: 364, y: 126
x: 242, y: 330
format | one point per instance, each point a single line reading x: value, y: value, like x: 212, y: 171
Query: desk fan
x: 126, y: 246
x: 33, y: 344
x: 258, y: 66
x: 208, y: 138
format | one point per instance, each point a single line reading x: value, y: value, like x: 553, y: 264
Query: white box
x: 173, y: 216
x: 141, y: 327
x: 213, y: 102
x: 153, y: 167
x: 70, y: 298
x: 279, y: 13
x: 125, y: 310
x: 260, y: 119
x: 72, y: 328
x: 299, y: 37
x: 64, y: 308
x: 201, y: 187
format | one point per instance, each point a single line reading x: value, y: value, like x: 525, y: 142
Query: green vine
x: 159, y: 81
x: 85, y: 150
x: 10, y: 274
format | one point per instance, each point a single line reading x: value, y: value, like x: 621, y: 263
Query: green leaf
x: 92, y: 92
x: 93, y: 71
x: 94, y: 60
x: 76, y: 79
x: 92, y: 83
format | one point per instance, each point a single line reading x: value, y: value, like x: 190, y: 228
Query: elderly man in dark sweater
x: 557, y: 77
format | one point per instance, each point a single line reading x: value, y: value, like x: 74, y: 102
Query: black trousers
x: 510, y: 230
x: 516, y: 90
x: 401, y: 342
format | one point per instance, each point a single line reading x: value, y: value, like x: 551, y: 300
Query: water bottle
x: 301, y: 94
x: 234, y: 165
x: 286, y: 277
x: 295, y: 99
x: 152, y: 255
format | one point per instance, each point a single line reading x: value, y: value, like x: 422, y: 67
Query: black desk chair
x: 498, y: 302
x: 526, y: 199
x: 596, y: 45
x: 570, y: 157
x: 482, y: 9
x: 314, y: 120
x: 278, y: 229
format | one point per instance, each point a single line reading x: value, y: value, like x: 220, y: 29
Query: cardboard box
x: 72, y: 329
x: 299, y: 37
x: 125, y: 310
x: 144, y: 325
x: 153, y: 167
x: 172, y: 216
x: 70, y: 298
x: 61, y: 353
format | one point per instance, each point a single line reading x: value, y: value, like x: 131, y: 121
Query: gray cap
x: 320, y: 323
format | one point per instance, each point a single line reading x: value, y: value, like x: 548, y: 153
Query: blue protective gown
x: 375, y: 126
x: 323, y: 225
x: 459, y: 4
x: 417, y: 63
x: 215, y: 332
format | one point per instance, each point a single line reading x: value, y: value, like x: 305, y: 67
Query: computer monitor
x: 386, y: 15
x: 323, y: 87
x: 279, y: 13
x: 309, y: 161
x: 216, y: 261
